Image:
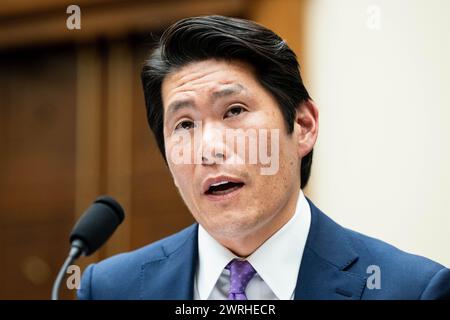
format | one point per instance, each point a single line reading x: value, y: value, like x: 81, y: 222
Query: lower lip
x: 227, y: 196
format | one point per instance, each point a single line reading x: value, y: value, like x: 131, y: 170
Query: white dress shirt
x: 277, y: 261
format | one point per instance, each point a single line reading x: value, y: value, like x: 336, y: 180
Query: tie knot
x: 241, y: 272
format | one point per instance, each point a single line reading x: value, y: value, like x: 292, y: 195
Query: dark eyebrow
x: 179, y: 104
x: 188, y: 103
x: 234, y: 89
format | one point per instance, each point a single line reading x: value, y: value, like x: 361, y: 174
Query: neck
x: 244, y: 245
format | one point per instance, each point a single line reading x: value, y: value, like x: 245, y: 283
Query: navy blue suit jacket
x: 334, y: 266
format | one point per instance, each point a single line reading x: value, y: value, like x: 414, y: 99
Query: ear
x: 306, y: 127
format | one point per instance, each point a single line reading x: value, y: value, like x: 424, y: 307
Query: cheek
x: 182, y: 175
x: 289, y: 164
x: 289, y: 160
x: 178, y: 148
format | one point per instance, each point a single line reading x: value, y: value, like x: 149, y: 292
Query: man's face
x: 228, y: 194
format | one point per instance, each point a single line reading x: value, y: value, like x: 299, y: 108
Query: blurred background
x: 73, y: 124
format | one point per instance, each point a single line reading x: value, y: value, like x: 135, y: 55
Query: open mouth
x: 223, y: 188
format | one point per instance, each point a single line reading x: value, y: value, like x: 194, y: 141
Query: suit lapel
x: 171, y: 277
x: 324, y: 272
x: 327, y: 257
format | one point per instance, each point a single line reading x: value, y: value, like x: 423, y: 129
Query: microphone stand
x: 76, y: 250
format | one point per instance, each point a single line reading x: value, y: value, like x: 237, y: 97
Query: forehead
x: 205, y: 77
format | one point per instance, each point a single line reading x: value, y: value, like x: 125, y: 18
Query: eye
x: 184, y: 125
x: 234, y: 111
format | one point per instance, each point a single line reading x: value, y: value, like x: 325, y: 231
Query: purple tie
x: 241, y: 272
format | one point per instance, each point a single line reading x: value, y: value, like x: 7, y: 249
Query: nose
x: 213, y: 144
x: 214, y: 159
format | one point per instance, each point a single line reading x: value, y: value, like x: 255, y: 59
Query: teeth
x: 219, y: 183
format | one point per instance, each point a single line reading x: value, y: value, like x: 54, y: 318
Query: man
x: 258, y: 236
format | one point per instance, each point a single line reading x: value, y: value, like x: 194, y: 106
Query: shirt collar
x: 285, y: 249
x: 213, y: 257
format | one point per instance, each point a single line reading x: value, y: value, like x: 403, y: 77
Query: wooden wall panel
x: 37, y: 174
x: 89, y: 134
x: 112, y: 19
x: 119, y: 143
x: 73, y: 126
x: 158, y: 209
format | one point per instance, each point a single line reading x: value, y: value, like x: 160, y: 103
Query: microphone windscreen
x: 98, y: 223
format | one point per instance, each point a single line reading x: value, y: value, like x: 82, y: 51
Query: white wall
x: 382, y: 161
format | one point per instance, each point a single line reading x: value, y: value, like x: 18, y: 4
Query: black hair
x: 218, y: 37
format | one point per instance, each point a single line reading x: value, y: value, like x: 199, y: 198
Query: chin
x: 235, y: 228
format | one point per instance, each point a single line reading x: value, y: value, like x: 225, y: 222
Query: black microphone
x: 91, y: 231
